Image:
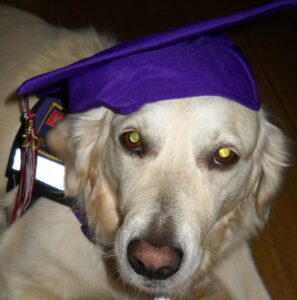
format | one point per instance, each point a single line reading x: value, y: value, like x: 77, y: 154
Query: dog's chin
x: 152, y: 287
x: 157, y: 288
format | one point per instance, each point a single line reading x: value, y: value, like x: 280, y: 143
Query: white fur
x: 44, y: 255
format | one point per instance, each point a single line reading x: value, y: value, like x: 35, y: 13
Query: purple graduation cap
x: 191, y: 61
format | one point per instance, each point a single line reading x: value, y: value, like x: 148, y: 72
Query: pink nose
x: 152, y: 261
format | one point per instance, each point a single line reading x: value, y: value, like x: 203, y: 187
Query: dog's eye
x: 132, y: 141
x: 225, y: 157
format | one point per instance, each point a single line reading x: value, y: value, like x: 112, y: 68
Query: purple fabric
x: 177, y: 64
x: 207, y: 66
x: 84, y: 224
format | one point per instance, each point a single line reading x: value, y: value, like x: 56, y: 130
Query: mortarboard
x: 196, y: 60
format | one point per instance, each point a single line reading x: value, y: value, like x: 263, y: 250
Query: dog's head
x: 173, y: 186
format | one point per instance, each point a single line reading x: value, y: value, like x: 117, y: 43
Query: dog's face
x: 171, y: 185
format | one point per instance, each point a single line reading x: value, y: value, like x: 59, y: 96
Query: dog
x: 172, y: 217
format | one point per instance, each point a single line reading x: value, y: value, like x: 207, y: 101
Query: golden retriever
x: 171, y: 219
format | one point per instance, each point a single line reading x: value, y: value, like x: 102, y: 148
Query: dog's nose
x: 154, y: 262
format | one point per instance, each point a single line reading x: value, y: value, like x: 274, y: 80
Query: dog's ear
x: 271, y: 157
x: 74, y: 140
x: 80, y: 141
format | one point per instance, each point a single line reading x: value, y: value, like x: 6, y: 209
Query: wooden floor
x: 270, y: 45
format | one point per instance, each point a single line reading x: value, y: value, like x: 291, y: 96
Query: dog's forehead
x: 207, y: 113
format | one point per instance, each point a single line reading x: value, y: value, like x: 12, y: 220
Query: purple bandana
x: 187, y: 62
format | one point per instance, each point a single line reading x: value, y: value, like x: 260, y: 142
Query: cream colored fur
x: 44, y: 255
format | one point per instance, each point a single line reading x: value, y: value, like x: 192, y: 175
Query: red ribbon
x: 28, y: 164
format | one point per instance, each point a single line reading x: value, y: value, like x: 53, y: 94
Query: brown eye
x: 132, y: 141
x: 225, y: 157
